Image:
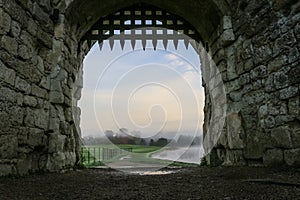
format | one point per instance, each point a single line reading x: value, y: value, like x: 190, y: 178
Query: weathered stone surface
x: 295, y: 135
x: 56, y: 143
x: 39, y: 92
x: 56, y: 162
x: 36, y: 137
x: 56, y: 97
x: 284, y: 42
x: 44, y: 38
x: 41, y: 118
x: 282, y: 137
x: 258, y: 72
x: 16, y: 115
x: 253, y: 148
x: 10, y: 44
x: 24, y: 52
x: 6, y: 74
x: 8, y: 146
x: 234, y: 157
x: 292, y: 157
x: 5, y: 22
x: 29, y: 117
x: 293, y: 106
x: 235, y: 131
x: 294, y: 75
x: 15, y: 29
x: 22, y: 85
x: 277, y: 63
x: 273, y: 157
x: 30, y: 101
x: 289, y: 92
x: 281, y: 80
x: 7, y: 95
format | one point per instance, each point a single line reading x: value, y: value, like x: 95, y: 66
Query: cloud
x: 177, y: 88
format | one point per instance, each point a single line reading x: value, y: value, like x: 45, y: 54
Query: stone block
x: 232, y: 86
x: 40, y: 14
x: 44, y: 38
x: 273, y: 157
x: 24, y: 52
x: 258, y: 72
x: 263, y: 111
x: 45, y: 4
x: 40, y: 65
x: 244, y: 79
x: 228, y: 37
x: 269, y: 83
x: 276, y: 64
x: 253, y: 148
x: 235, y: 131
x: 45, y: 83
x: 9, y: 44
x: 4, y: 122
x: 39, y: 92
x: 294, y: 75
x: 227, y: 22
x: 29, y: 117
x: 54, y: 124
x: 7, y: 94
x: 70, y: 159
x: 56, y: 162
x: 269, y: 122
x: 22, y: 85
x: 16, y: 115
x: 19, y: 99
x: 293, y: 106
x: 7, y: 75
x: 56, y: 97
x: 282, y: 137
x: 56, y: 143
x: 5, y: 22
x: 284, y: 43
x: 294, y: 55
x: 23, y: 167
x: 262, y: 54
x: 283, y: 119
x: 281, y: 80
x: 8, y: 146
x: 41, y: 118
x: 30, y: 101
x: 292, y: 157
x: 289, y: 92
x: 234, y: 158
x: 295, y: 134
x: 36, y: 137
x: 235, y: 96
x: 32, y: 27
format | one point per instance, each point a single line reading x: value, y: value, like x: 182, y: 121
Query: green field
x: 138, y: 154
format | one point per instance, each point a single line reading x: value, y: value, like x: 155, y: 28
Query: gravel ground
x: 187, y: 183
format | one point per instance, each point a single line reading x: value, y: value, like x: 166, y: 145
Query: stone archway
x: 255, y: 45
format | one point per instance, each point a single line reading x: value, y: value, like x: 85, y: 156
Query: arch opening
x: 112, y: 23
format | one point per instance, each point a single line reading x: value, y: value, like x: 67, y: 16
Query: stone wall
x: 37, y: 76
x: 260, y: 67
x: 254, y: 43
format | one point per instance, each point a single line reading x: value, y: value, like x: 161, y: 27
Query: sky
x: 147, y: 91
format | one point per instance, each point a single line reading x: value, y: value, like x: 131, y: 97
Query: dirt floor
x: 187, y: 183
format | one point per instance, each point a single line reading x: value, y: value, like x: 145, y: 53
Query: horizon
x: 173, y: 78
